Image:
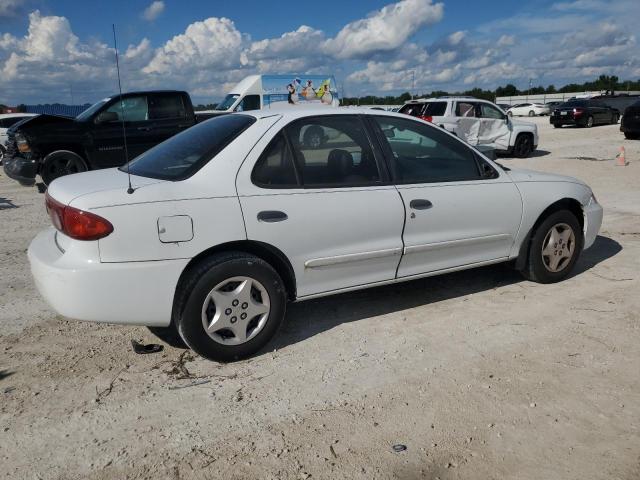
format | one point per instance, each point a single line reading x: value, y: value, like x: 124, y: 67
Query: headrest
x: 339, y: 163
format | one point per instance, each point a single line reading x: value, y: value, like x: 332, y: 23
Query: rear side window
x: 184, y: 154
x: 413, y: 109
x: 435, y: 109
x: 274, y: 168
x: 424, y: 154
x: 166, y: 106
x: 465, y: 109
x: 333, y: 151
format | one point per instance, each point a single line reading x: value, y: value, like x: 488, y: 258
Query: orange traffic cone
x: 622, y: 162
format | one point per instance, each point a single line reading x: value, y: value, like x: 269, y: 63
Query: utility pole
x: 413, y: 82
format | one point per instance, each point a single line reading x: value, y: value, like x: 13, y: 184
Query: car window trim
x: 390, y: 157
x: 261, y: 156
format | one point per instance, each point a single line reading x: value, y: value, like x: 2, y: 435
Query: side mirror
x: 106, y: 117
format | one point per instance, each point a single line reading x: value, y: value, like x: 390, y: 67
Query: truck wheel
x: 61, y: 163
x: 523, y: 146
x: 230, y: 306
x: 313, y: 137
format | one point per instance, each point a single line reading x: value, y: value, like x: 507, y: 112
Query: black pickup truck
x: 52, y: 146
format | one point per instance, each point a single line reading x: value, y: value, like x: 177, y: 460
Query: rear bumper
x: 21, y: 170
x: 567, y: 121
x: 593, y: 221
x: 76, y: 285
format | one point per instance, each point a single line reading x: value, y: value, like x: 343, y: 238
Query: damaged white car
x: 478, y: 122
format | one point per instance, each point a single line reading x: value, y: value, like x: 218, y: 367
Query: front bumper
x: 77, y: 285
x: 592, y: 222
x: 21, y: 169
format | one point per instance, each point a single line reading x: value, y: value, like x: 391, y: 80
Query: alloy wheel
x: 558, y: 247
x: 236, y: 310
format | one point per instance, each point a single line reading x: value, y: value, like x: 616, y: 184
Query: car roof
x: 289, y: 113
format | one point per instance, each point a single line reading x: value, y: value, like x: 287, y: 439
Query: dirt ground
x: 480, y: 374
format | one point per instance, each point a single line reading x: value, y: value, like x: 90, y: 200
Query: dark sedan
x: 630, y: 123
x: 583, y: 113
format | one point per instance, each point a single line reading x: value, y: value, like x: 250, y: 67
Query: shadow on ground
x: 6, y: 204
x: 309, y: 318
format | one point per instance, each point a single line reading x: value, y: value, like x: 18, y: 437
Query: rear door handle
x: 420, y: 204
x: 271, y: 216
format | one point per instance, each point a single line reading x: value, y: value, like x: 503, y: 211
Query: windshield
x: 228, y: 101
x: 184, y: 154
x: 88, y: 113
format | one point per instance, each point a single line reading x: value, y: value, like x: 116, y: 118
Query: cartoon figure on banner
x: 292, y: 91
x: 324, y: 92
x: 308, y: 91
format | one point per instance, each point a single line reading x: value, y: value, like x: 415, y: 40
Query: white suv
x: 478, y: 122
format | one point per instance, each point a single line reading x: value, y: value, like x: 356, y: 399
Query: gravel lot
x: 482, y: 375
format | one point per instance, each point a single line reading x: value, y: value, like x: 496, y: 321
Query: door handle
x: 144, y: 129
x: 420, y: 204
x: 271, y: 216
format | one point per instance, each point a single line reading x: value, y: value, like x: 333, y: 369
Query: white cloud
x: 153, y: 11
x: 506, y: 40
x: 10, y: 8
x: 384, y: 30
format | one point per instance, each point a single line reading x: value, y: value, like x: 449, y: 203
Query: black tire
x: 589, y: 122
x: 313, y: 137
x: 631, y: 136
x: 523, y: 146
x: 557, y: 125
x: 60, y: 163
x: 535, y: 268
x: 2, y: 152
x: 169, y: 335
x: 532, y: 113
x: 614, y: 119
x: 199, y: 282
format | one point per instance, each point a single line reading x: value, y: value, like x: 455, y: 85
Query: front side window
x: 134, y: 109
x: 250, y: 102
x: 274, y: 168
x: 489, y: 111
x: 423, y: 154
x: 333, y: 151
x: 185, y: 153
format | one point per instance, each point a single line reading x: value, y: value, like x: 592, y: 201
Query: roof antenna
x: 124, y: 132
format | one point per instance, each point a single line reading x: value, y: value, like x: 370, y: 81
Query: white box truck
x: 258, y: 92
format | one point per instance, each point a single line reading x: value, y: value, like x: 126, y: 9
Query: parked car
x: 7, y: 120
x: 583, y: 113
x: 528, y: 110
x: 479, y: 122
x: 53, y: 146
x: 630, y: 122
x: 233, y: 218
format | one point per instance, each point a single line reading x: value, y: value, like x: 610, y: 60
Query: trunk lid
x: 70, y: 188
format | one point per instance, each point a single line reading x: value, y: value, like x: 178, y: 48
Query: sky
x: 62, y: 50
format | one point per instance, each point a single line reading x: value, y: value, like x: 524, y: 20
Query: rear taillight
x: 427, y: 118
x: 578, y: 111
x: 76, y: 223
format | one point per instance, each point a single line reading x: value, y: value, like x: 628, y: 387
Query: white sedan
x: 228, y: 221
x: 528, y: 110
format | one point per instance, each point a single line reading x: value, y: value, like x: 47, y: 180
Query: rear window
x: 428, y: 109
x: 184, y: 154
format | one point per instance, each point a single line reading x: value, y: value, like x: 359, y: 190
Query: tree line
x: 603, y: 82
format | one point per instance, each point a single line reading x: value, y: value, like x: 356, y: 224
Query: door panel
x: 325, y: 204
x: 333, y: 238
x: 494, y: 130
x: 468, y: 222
x: 456, y: 215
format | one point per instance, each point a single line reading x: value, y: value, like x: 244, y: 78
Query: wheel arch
x: 270, y: 254
x: 567, y: 203
x: 75, y: 149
